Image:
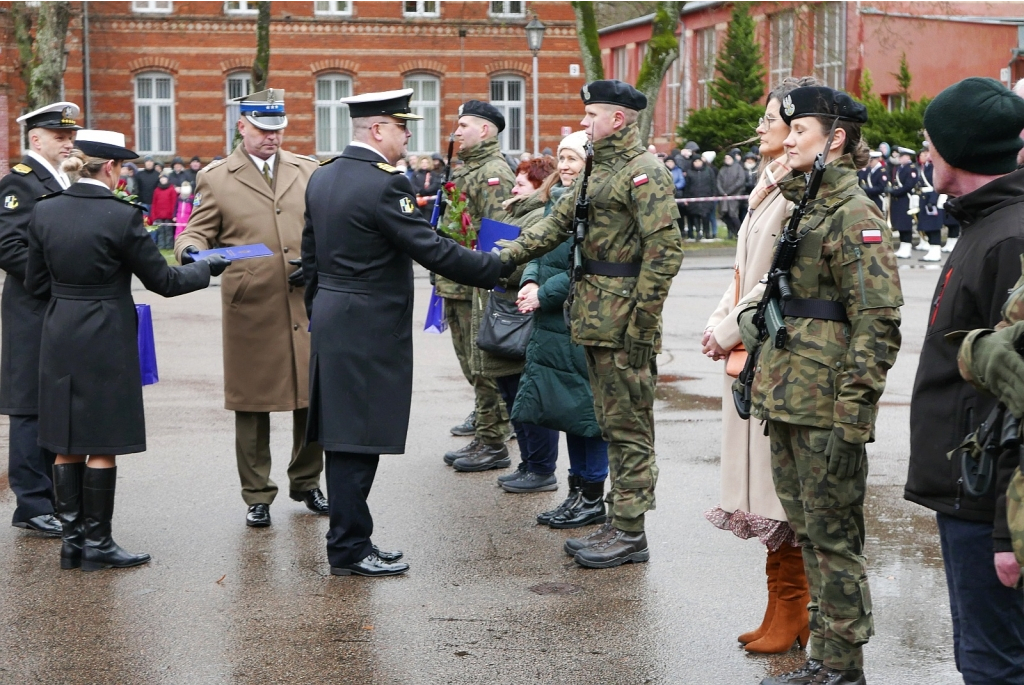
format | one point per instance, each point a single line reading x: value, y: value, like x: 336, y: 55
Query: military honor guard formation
x: 322, y: 327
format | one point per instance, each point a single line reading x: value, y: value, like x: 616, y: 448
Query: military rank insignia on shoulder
x: 384, y: 166
x: 407, y: 206
x: 214, y: 164
x: 11, y: 202
x: 327, y: 161
x: 22, y: 169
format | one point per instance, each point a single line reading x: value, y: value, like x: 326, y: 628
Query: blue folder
x: 238, y: 252
x: 491, y: 232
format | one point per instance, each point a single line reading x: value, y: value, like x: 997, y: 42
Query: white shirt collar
x: 261, y: 162
x: 93, y: 181
x: 61, y: 177
x: 357, y: 143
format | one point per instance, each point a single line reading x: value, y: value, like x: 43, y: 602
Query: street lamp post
x: 534, y: 39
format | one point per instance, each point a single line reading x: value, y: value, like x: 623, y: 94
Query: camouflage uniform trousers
x: 1015, y: 513
x: 624, y: 405
x: 492, y: 425
x: 828, y: 517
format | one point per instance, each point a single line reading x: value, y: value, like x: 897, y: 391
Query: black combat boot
x: 485, y: 458
x: 831, y: 676
x: 801, y: 676
x: 467, y: 427
x: 67, y: 492
x: 574, y: 545
x: 575, y: 492
x: 621, y: 547
x: 589, y: 509
x: 99, y: 550
x: 465, y: 451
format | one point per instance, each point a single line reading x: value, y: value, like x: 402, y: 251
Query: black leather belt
x: 613, y: 269
x: 110, y: 291
x: 827, y: 310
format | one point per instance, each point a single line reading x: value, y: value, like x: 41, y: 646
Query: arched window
x: 507, y: 96
x: 237, y: 85
x: 333, y: 125
x: 154, y: 113
x: 425, y: 101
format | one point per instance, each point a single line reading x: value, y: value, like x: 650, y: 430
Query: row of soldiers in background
x: 906, y: 196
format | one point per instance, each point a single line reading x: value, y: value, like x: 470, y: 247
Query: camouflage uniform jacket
x: 831, y: 374
x: 486, y: 179
x: 632, y: 219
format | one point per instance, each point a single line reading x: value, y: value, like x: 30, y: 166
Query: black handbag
x: 504, y: 330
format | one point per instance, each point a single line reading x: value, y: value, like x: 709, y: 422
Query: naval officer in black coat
x: 361, y: 236
x: 84, y: 244
x: 51, y: 136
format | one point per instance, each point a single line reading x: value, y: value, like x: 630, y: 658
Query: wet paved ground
x: 222, y: 603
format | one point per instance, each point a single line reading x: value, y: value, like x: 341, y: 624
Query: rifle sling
x: 613, y: 269
x: 806, y: 308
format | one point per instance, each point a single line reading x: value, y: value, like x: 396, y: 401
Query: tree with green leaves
x: 41, y: 49
x: 900, y: 128
x: 740, y: 69
x: 903, y: 78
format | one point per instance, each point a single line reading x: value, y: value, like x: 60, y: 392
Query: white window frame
x: 338, y: 123
x: 421, y: 10
x: 332, y: 8
x: 620, y: 63
x: 707, y: 53
x: 244, y: 7
x: 782, y: 37
x: 429, y: 129
x: 506, y: 8
x: 231, y: 109
x: 895, y: 102
x: 154, y: 104
x: 506, y: 106
x: 152, y: 6
x: 830, y: 44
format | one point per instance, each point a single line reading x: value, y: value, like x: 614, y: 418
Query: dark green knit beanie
x: 975, y: 125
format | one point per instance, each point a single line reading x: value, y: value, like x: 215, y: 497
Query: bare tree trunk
x: 48, y: 70
x: 21, y: 17
x: 662, y: 51
x: 261, y: 65
x: 586, y: 32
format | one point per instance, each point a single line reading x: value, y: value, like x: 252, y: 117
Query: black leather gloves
x: 188, y: 254
x: 296, y: 279
x: 217, y: 263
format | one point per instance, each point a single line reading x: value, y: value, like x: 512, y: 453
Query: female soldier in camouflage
x: 819, y: 393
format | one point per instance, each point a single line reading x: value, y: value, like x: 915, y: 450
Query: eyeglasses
x: 400, y: 124
x: 766, y: 121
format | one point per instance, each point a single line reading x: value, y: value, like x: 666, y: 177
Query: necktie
x: 266, y: 175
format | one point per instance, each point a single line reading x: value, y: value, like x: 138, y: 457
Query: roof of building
x: 688, y: 8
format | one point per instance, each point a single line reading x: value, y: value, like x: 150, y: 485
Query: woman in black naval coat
x: 84, y: 244
x: 362, y: 234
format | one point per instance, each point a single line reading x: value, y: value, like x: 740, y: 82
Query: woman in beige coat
x: 749, y: 506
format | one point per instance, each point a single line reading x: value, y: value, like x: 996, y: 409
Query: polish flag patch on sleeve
x: 640, y: 180
x: 493, y: 181
x: 871, y: 235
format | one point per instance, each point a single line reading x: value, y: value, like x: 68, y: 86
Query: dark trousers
x: 538, y: 446
x: 28, y: 469
x: 349, y: 479
x: 988, y: 617
x: 252, y: 455
x: 588, y: 457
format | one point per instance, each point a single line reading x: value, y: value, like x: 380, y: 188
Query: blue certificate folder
x: 238, y: 252
x: 491, y: 232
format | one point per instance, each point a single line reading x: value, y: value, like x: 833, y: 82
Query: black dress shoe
x: 388, y: 557
x: 314, y: 499
x: 258, y: 516
x: 371, y: 566
x: 47, y: 524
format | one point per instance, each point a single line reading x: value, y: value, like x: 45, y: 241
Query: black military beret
x: 810, y: 101
x: 613, y: 92
x: 484, y: 110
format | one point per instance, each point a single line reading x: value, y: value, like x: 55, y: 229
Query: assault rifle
x: 441, y: 200
x: 580, y: 224
x: 769, y: 318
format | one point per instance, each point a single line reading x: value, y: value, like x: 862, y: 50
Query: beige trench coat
x: 265, y: 329
x: 747, y: 483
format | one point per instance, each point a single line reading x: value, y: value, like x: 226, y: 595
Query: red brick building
x: 835, y: 41
x: 163, y: 71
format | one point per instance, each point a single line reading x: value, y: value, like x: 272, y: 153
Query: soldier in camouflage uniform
x: 819, y: 394
x: 487, y: 180
x: 632, y: 251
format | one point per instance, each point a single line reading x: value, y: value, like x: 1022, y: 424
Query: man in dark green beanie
x: 974, y: 129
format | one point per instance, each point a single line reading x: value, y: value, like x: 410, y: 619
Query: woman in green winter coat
x: 554, y: 389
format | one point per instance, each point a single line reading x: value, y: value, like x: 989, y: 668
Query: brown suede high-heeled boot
x: 790, y: 621
x: 771, y: 569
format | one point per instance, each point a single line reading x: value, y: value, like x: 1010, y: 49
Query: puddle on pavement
x: 667, y: 391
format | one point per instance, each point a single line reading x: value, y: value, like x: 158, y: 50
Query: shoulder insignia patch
x: 384, y: 166
x: 11, y: 202
x: 327, y: 161
x: 871, y: 235
x: 494, y: 181
x: 197, y: 200
x: 406, y: 204
x: 22, y: 169
x: 640, y: 180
